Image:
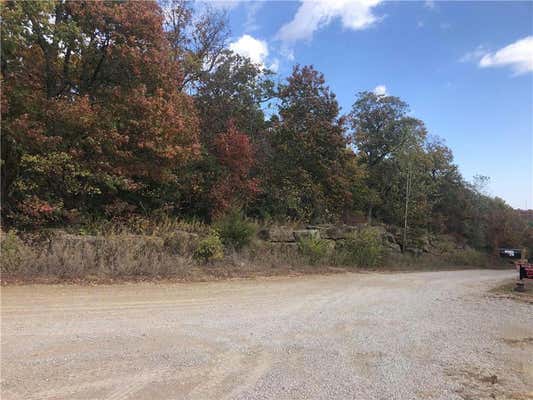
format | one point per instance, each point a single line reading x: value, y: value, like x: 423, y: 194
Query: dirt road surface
x: 434, y: 335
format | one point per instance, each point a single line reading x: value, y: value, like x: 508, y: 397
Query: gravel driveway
x: 434, y: 335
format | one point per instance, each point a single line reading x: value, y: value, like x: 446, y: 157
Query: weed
x: 314, y: 249
x: 209, y: 248
x: 235, y: 231
x: 363, y: 249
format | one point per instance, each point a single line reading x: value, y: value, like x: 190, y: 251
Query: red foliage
x: 98, y: 84
x: 235, y: 187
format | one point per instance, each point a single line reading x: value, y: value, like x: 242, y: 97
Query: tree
x: 229, y: 101
x: 236, y: 91
x: 311, y: 173
x: 90, y: 97
x: 381, y: 129
x: 197, y: 40
x: 234, y: 188
x: 445, y: 189
x: 381, y: 126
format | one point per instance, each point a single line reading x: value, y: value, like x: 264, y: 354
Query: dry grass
x: 507, y: 291
x: 165, y: 250
x: 73, y: 257
x: 104, y: 258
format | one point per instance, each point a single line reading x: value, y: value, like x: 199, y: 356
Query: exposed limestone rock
x: 301, y: 234
x: 276, y: 234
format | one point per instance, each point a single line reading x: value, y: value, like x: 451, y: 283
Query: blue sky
x: 465, y: 68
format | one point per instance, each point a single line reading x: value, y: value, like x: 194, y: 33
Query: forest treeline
x: 114, y: 109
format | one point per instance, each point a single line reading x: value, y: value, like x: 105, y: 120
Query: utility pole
x: 407, y: 194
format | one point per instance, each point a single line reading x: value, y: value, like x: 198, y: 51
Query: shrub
x: 235, y: 230
x: 13, y: 252
x: 209, y: 248
x: 313, y: 249
x: 468, y: 257
x: 363, y: 249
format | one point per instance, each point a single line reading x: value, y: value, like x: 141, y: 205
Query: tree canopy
x: 112, y: 109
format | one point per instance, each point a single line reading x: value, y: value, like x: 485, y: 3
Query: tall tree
x: 230, y: 103
x: 236, y: 90
x: 381, y: 130
x: 311, y: 173
x: 89, y: 104
x: 235, y: 187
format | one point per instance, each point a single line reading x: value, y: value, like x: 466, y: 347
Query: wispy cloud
x: 274, y: 66
x: 518, y: 56
x: 222, y: 4
x: 252, y: 8
x: 474, y: 55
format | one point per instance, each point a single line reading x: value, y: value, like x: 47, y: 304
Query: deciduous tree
x: 91, y: 83
x: 311, y: 173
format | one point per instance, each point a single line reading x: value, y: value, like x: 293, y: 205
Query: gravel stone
x: 434, y: 335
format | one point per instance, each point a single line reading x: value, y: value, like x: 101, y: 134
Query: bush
x: 209, y: 248
x: 13, y: 252
x: 363, y: 249
x: 235, y: 231
x: 313, y: 249
x: 468, y: 257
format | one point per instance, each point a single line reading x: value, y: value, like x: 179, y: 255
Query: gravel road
x: 433, y: 335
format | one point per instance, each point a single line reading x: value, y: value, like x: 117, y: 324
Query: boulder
x: 339, y: 232
x: 301, y: 234
x: 276, y: 234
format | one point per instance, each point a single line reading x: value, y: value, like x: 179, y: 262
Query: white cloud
x: 381, y: 90
x: 474, y: 55
x: 247, y: 46
x: 313, y: 15
x: 252, y: 8
x: 517, y: 55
